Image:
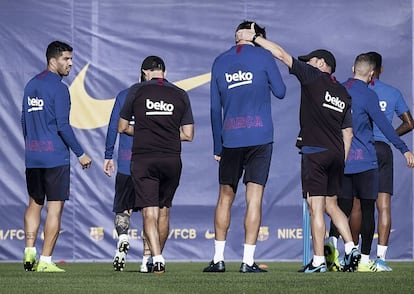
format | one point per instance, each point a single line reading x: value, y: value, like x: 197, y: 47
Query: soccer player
x: 242, y: 80
x: 391, y: 102
x: 361, y: 168
x: 48, y: 137
x: 162, y: 119
x: 124, y: 199
x: 324, y: 140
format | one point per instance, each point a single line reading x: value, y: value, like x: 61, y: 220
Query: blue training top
x: 125, y: 141
x: 365, y: 110
x: 391, y: 101
x: 45, y: 122
x: 240, y: 109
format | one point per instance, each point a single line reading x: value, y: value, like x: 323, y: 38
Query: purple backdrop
x: 111, y: 38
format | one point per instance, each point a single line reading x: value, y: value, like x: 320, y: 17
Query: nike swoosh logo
x: 90, y: 113
x: 209, y: 235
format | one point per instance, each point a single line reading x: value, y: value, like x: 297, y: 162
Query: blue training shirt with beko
x: 125, y: 141
x: 45, y: 122
x: 241, y: 82
x: 365, y: 111
x: 390, y: 101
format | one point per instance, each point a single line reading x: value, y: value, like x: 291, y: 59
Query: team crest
x: 263, y: 234
x: 96, y: 233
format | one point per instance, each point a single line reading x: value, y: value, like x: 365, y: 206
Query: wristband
x: 254, y: 37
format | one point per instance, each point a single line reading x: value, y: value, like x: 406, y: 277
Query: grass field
x: 189, y: 278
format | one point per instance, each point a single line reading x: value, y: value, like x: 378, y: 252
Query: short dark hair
x: 56, y: 48
x: 247, y: 25
x: 377, y: 59
x: 365, y: 57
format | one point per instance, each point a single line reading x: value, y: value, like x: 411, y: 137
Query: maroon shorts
x: 322, y: 173
x: 155, y: 178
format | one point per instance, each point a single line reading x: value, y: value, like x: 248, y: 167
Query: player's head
x: 364, y: 66
x: 247, y: 24
x: 324, y: 57
x: 378, y: 62
x: 59, y: 58
x: 55, y: 50
x: 151, y: 64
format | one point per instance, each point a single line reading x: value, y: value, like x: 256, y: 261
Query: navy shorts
x: 385, y: 167
x: 124, y: 193
x: 156, y: 178
x: 322, y: 173
x: 253, y: 160
x: 363, y: 185
x: 48, y: 183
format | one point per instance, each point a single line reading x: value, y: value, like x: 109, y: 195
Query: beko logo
x: 239, y: 78
x: 34, y: 104
x: 159, y: 108
x: 334, y: 103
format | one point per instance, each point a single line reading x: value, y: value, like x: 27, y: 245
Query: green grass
x: 189, y: 278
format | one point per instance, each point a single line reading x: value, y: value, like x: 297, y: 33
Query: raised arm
x: 276, y: 50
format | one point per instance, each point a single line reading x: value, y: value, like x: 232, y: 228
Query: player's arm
x: 187, y: 132
x: 347, y: 138
x: 276, y: 50
x: 124, y: 127
x: 407, y: 124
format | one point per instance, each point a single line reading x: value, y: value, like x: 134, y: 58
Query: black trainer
x: 309, y: 268
x: 150, y: 267
x: 245, y: 268
x: 159, y: 268
x: 218, y: 267
x: 351, y: 260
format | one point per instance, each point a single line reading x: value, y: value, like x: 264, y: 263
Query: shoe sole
x: 119, y: 261
x: 28, y: 266
x: 353, y: 265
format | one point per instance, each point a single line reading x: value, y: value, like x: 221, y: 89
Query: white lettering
x: 383, y: 105
x: 334, y: 102
x: 161, y: 107
x: 36, y: 102
x: 240, y: 78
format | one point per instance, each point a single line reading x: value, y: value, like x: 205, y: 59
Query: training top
x: 325, y: 108
x: 390, y: 101
x: 365, y: 110
x: 125, y: 141
x: 45, y: 122
x: 240, y: 100
x: 158, y: 109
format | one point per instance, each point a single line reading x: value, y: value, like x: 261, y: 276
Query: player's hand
x: 409, y: 156
x: 217, y: 157
x: 246, y: 34
x: 85, y: 161
x: 108, y: 167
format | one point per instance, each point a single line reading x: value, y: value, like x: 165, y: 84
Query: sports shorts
x: 156, y: 178
x: 363, y: 185
x: 124, y: 193
x: 385, y: 167
x: 322, y: 173
x: 253, y: 160
x: 51, y: 184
